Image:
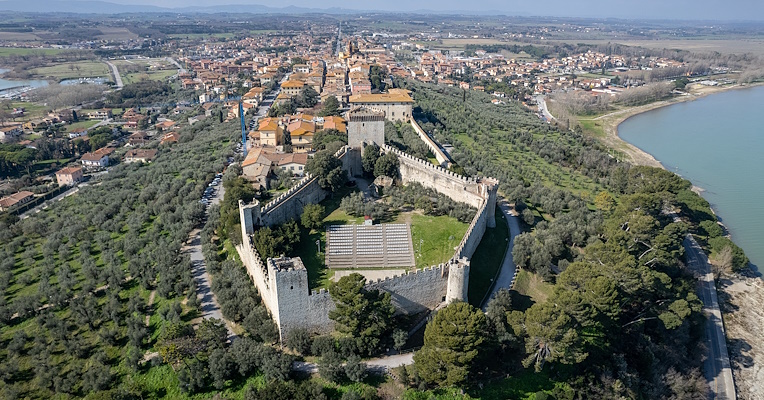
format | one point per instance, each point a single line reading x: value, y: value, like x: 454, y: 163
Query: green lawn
x: 79, y: 69
x: 81, y: 124
x: 149, y: 75
x: 486, y: 261
x: 529, y: 289
x: 318, y: 275
x: 22, y: 51
x: 439, y: 236
x: 434, y: 238
x: 593, y: 127
x: 32, y: 110
x: 524, y: 386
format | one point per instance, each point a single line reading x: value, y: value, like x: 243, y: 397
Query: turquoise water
x: 717, y: 142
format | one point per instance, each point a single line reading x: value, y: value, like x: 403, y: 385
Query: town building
x: 69, y: 176
x: 9, y: 133
x: 140, y: 155
x: 396, y: 103
x: 19, y: 198
x: 96, y: 159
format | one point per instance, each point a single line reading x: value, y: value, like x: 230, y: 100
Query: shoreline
x: 638, y: 156
x: 634, y: 154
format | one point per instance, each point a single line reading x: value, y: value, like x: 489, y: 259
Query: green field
x: 150, y: 75
x: 23, y: 51
x: 31, y: 110
x: 81, y: 124
x: 438, y: 235
x: 79, y: 69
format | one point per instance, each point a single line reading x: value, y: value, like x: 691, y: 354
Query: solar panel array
x: 358, y: 246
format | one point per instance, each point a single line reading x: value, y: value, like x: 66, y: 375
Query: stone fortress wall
x: 440, y: 155
x: 289, y: 204
x: 283, y: 283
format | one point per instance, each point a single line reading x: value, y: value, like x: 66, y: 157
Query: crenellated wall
x: 440, y: 155
x: 453, y: 185
x: 289, y: 204
x: 285, y: 290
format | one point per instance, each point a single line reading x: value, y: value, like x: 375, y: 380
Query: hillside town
x: 288, y: 205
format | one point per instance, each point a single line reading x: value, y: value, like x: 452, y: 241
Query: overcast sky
x: 654, y: 9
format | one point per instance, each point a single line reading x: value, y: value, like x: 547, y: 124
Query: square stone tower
x: 365, y: 126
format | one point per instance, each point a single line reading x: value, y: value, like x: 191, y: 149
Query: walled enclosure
x: 283, y: 283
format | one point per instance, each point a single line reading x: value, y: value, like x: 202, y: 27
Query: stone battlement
x: 283, y: 282
x: 307, y: 184
x: 426, y: 164
x: 440, y: 155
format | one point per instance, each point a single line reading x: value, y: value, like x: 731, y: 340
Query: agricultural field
x: 724, y: 46
x: 75, y: 303
x: 19, y: 37
x: 22, y: 51
x: 138, y: 69
x: 73, y: 70
x: 31, y: 110
x: 116, y: 33
x: 150, y: 75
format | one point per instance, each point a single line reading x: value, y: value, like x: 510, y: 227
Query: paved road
x: 44, y: 205
x: 180, y: 69
x: 262, y: 111
x: 208, y: 302
x: 508, y: 270
x: 543, y: 109
x: 716, y: 367
x: 115, y: 71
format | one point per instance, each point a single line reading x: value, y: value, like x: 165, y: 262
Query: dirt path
x: 151, y: 302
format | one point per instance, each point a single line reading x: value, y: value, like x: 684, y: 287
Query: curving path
x: 508, y: 271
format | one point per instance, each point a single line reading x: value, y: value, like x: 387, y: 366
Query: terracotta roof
x: 92, y: 156
x: 8, y: 201
x: 253, y: 156
x: 268, y: 124
x: 68, y: 170
x: 300, y: 128
x: 294, y: 158
x: 105, y: 151
x: 292, y: 84
x: 147, y: 154
x: 394, y: 96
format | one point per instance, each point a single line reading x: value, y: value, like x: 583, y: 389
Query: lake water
x: 717, y: 142
x: 5, y: 83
